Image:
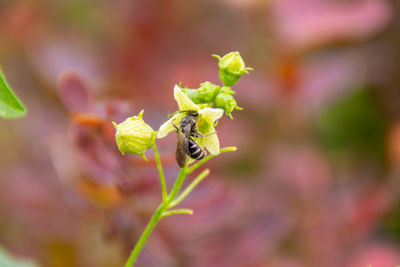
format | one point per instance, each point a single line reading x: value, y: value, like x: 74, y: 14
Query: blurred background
x: 315, y: 180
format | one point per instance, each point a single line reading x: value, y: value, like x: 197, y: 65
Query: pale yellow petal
x: 211, y: 142
x: 165, y: 129
x: 184, y: 103
x: 208, y: 116
x: 167, y: 126
x: 211, y: 114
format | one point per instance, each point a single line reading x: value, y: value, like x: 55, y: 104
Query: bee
x: 186, y: 146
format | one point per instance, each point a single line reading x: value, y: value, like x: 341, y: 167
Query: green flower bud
x: 193, y: 94
x: 208, y: 92
x: 227, y: 90
x: 227, y: 102
x: 231, y: 68
x: 134, y: 136
x: 204, y: 95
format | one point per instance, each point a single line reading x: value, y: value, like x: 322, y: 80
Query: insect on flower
x: 203, y: 133
x: 186, y: 146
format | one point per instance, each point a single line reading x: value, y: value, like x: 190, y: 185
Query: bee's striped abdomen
x: 195, y: 151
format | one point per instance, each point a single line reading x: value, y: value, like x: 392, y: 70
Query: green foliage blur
x: 353, y: 128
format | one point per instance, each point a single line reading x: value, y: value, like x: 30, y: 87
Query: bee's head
x: 192, y: 113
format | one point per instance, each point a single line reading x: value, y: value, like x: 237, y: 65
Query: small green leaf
x: 10, y: 105
x: 177, y: 211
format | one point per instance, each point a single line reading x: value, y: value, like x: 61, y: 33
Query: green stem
x: 189, y: 189
x: 178, y: 183
x: 161, y: 173
x: 169, y: 200
x: 201, y: 162
x: 145, y: 235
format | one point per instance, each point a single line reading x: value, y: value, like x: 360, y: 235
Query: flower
x: 205, y: 124
x: 134, y: 136
x: 231, y: 68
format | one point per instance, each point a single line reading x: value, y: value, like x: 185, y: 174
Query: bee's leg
x: 176, y: 127
x: 202, y: 135
x: 210, y: 134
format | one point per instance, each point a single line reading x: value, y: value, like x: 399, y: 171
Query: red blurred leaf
x: 104, y: 195
x: 74, y: 91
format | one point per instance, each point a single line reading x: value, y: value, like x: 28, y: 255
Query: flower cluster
x: 231, y: 69
x: 134, y: 136
x: 207, y: 119
x: 210, y: 94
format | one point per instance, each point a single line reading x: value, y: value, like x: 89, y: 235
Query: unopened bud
x: 134, y: 136
x: 193, y: 94
x: 227, y: 102
x: 231, y: 68
x: 208, y: 91
x: 204, y: 95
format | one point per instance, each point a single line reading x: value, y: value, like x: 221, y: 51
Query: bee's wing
x: 185, y: 144
x: 181, y: 149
